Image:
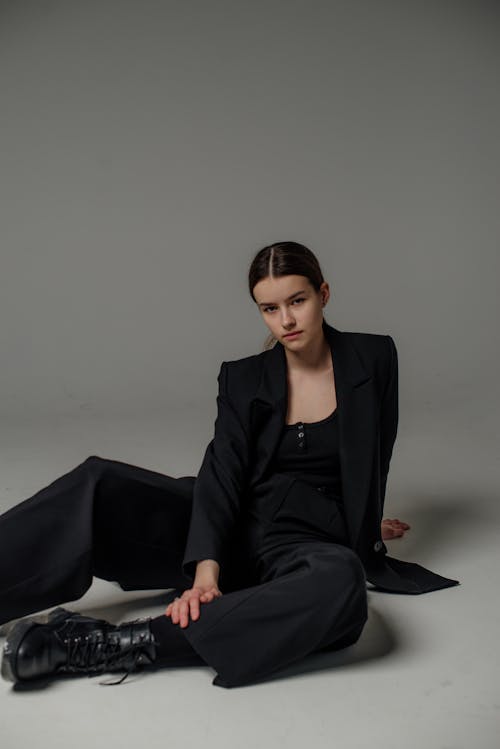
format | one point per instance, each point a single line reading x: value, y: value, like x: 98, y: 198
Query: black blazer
x: 235, y: 482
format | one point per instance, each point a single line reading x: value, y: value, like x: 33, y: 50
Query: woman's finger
x: 400, y: 523
x: 176, y: 614
x: 195, y: 608
x: 189, y: 606
x: 185, y: 613
x: 180, y: 612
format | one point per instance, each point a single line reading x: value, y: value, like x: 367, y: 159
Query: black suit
x: 293, y: 573
x: 235, y: 480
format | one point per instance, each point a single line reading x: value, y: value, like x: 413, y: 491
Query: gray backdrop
x: 148, y: 149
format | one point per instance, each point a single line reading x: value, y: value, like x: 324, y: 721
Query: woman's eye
x: 271, y: 308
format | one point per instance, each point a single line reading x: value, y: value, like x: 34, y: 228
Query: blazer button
x: 377, y: 545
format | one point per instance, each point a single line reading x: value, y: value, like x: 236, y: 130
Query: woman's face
x: 290, y: 304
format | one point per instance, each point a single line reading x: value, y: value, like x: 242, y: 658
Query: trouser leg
x: 105, y: 518
x: 173, y: 647
x: 312, y: 596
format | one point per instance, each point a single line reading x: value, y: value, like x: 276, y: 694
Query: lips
x: 291, y: 335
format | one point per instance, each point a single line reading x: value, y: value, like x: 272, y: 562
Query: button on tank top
x: 310, y: 451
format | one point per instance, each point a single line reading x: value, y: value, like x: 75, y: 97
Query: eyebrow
x: 269, y: 304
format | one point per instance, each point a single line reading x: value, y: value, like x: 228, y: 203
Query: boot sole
x: 15, y: 638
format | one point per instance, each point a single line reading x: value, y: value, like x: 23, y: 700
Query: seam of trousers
x: 40, y: 574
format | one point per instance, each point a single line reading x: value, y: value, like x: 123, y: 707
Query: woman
x: 277, y: 535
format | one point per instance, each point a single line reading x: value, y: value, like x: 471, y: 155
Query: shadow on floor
x: 440, y: 520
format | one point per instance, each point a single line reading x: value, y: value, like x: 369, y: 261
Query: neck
x: 316, y: 357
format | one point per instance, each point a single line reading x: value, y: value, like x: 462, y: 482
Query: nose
x: 286, y: 319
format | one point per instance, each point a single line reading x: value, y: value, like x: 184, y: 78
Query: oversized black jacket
x: 236, y: 481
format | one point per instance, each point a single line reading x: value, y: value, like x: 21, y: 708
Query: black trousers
x: 302, y: 590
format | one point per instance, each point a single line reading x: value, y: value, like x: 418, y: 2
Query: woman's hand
x: 393, y: 528
x: 189, y: 603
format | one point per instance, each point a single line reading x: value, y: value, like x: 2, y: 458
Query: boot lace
x: 105, y: 653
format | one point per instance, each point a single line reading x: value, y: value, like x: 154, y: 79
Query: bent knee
x: 94, y: 459
x: 93, y: 462
x: 343, y: 561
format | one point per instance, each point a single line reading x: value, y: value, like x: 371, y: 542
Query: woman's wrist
x: 207, y: 572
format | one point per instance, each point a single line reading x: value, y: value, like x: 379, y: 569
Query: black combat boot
x: 70, y: 643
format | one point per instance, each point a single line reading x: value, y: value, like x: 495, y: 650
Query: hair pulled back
x: 284, y: 259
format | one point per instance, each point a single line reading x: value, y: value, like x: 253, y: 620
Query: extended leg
x: 312, y: 596
x: 105, y: 518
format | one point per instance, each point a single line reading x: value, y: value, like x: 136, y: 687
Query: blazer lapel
x: 356, y: 404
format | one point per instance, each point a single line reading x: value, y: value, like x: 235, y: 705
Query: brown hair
x: 284, y: 259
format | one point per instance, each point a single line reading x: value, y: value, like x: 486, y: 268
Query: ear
x: 325, y: 293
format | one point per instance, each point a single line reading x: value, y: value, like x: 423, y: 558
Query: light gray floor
x: 424, y: 673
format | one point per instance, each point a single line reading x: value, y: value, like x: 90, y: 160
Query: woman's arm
x: 219, y: 486
x: 204, y: 589
x: 389, y: 415
x: 390, y: 527
x: 207, y: 570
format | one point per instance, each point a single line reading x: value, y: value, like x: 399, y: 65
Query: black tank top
x: 310, y: 451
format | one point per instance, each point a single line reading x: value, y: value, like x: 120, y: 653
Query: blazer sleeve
x: 219, y: 486
x: 389, y: 416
